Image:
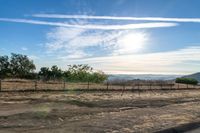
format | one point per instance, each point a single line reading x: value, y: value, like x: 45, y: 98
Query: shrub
x: 187, y: 81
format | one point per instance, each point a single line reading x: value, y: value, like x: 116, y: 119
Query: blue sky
x: 116, y: 36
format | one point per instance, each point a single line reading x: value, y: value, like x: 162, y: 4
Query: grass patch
x: 81, y: 103
x: 40, y: 114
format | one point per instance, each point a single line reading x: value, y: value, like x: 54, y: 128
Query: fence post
x: 178, y: 85
x: 124, y: 86
x: 64, y: 85
x: 88, y: 85
x: 139, y: 88
x: 0, y: 85
x: 107, y: 85
x: 187, y: 86
x: 35, y: 85
x: 133, y: 87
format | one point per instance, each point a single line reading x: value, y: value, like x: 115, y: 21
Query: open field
x: 89, y: 112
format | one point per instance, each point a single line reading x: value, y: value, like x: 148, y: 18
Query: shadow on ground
x: 182, y: 128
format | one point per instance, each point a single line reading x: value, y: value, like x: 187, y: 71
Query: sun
x: 131, y: 42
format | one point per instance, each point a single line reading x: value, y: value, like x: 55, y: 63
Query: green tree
x: 56, y: 73
x: 44, y: 73
x: 67, y: 75
x: 98, y: 77
x: 4, y: 66
x: 50, y: 74
x: 21, y: 66
x: 187, y: 81
x: 84, y: 73
x: 79, y: 73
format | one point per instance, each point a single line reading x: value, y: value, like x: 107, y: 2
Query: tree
x: 44, y: 73
x: 21, y: 66
x: 98, y: 77
x: 56, y: 73
x: 67, y: 75
x: 84, y: 73
x: 4, y: 66
x: 187, y: 81
x: 79, y: 73
x: 51, y: 74
x: 80, y: 68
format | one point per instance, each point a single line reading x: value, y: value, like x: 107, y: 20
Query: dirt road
x: 76, y: 112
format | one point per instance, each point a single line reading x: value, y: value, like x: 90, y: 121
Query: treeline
x: 20, y: 66
x: 74, y: 73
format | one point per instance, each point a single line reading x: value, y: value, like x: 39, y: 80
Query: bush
x: 84, y: 73
x: 98, y: 77
x: 187, y: 81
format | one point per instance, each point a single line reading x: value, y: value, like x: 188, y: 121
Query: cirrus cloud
x: 163, y: 19
x: 72, y: 42
x: 93, y: 26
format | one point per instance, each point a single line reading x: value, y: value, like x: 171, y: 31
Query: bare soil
x: 98, y: 112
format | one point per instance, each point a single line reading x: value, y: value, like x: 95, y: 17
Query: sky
x: 115, y: 36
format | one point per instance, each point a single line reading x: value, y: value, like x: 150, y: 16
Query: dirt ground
x: 98, y: 112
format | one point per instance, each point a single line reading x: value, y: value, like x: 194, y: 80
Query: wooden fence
x: 20, y: 85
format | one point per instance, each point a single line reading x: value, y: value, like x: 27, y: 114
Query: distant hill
x: 195, y: 76
x: 142, y: 77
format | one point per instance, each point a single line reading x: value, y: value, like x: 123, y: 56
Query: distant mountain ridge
x: 142, y: 77
x: 195, y: 76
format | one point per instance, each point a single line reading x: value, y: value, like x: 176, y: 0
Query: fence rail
x: 20, y: 85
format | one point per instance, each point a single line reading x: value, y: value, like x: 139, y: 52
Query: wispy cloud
x: 71, y: 43
x: 79, y: 43
x: 70, y: 47
x: 92, y: 26
x: 179, y: 61
x: 24, y: 48
x: 33, y: 57
x: 196, y: 20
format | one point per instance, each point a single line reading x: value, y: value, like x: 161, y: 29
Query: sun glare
x: 132, y: 42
